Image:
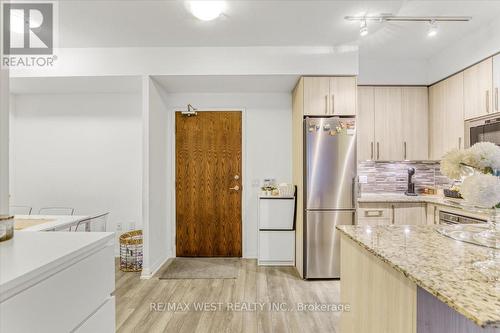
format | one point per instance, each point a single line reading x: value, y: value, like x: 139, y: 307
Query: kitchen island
x: 411, y: 279
x: 57, y: 282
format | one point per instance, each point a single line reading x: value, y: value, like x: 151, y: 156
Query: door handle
x: 378, y: 150
x: 496, y: 99
x: 333, y: 104
x: 487, y: 101
x: 326, y: 104
x: 404, y: 145
x: 372, y: 151
x: 236, y: 188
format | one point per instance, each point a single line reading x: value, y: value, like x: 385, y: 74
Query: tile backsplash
x: 393, y: 176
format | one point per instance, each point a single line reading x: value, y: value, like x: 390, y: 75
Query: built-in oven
x: 483, y: 129
x: 451, y: 218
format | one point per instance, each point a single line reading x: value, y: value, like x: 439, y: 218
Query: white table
x: 58, y: 222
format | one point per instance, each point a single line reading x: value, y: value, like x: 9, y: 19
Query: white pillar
x: 4, y: 138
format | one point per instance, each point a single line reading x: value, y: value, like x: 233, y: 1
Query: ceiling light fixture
x: 206, y: 10
x: 433, y: 29
x: 363, y: 28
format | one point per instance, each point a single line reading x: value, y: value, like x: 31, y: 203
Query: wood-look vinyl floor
x: 280, y: 287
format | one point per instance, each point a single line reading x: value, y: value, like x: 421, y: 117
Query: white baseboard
x: 275, y: 263
x: 148, y: 273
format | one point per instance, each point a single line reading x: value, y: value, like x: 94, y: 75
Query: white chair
x: 56, y: 211
x: 20, y: 210
x: 93, y: 223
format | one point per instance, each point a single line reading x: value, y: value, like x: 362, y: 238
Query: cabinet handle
x: 460, y: 142
x: 487, y: 101
x: 374, y: 213
x: 378, y: 150
x: 404, y: 145
x: 326, y: 104
x: 333, y: 103
x: 496, y: 99
x: 372, y: 150
x: 393, y: 215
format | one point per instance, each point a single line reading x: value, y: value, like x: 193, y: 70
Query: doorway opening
x: 208, y: 184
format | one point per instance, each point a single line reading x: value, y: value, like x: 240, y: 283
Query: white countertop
x: 31, y: 256
x: 58, y: 222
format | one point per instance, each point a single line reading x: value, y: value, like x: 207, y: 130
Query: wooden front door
x: 208, y: 184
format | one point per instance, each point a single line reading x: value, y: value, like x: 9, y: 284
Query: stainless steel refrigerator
x: 330, y: 179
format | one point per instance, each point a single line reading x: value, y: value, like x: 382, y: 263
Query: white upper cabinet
x: 343, y: 95
x: 330, y: 96
x: 392, y: 123
x: 366, y: 124
x: 316, y: 96
x: 446, y: 116
x: 478, y: 83
x: 388, y: 124
x: 496, y: 83
x: 415, y: 108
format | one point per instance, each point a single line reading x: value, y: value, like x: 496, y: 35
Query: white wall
x: 267, y: 150
x: 156, y: 200
x: 267, y: 147
x: 392, y: 71
x: 78, y: 150
x: 472, y: 48
x: 4, y: 140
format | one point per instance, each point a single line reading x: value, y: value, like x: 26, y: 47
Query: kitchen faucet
x: 411, y: 186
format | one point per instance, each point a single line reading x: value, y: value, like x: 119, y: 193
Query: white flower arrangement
x: 483, y: 187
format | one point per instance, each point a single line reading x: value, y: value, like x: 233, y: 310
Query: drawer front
x: 373, y: 221
x: 374, y: 211
x: 276, y: 213
x: 64, y: 300
x: 103, y: 321
x: 277, y: 246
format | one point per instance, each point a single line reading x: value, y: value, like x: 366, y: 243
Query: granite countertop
x: 440, y: 265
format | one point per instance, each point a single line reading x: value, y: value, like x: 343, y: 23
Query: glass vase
x: 491, y: 238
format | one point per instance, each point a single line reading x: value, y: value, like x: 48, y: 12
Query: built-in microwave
x: 483, y: 129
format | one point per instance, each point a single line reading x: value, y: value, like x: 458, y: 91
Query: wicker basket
x: 131, y: 251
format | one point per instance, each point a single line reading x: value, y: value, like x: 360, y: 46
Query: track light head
x: 433, y: 29
x: 363, y: 28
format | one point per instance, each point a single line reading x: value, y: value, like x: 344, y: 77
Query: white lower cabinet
x: 276, y: 248
x: 76, y: 297
x: 409, y: 213
x: 392, y: 213
x: 99, y: 322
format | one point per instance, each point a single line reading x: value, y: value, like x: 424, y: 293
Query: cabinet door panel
x: 366, y: 124
x: 410, y: 214
x: 343, y: 96
x: 477, y: 87
x: 388, y: 120
x: 437, y: 119
x: 454, y: 114
x: 415, y: 123
x: 316, y: 96
x: 496, y: 83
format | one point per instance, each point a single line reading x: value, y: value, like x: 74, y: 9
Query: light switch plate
x: 363, y: 179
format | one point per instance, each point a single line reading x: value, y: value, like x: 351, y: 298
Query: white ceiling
x: 268, y: 23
